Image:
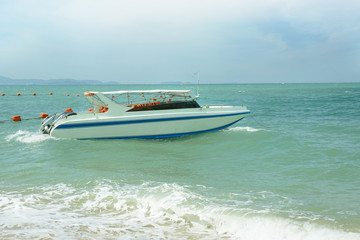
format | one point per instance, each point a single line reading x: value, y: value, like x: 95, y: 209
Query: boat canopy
x: 173, y: 93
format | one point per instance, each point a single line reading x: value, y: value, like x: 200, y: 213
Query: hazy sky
x: 152, y: 41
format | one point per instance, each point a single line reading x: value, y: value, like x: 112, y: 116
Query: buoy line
x: 36, y: 94
x: 17, y: 118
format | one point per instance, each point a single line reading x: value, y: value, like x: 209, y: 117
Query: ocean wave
x: 105, y: 209
x: 28, y: 137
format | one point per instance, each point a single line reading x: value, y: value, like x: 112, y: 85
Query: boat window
x: 164, y: 105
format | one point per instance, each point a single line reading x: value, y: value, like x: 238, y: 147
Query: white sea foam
x: 28, y: 137
x: 245, y: 129
x: 147, y: 211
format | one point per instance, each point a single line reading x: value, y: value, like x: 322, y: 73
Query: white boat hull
x: 157, y: 124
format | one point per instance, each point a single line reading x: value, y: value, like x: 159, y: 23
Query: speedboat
x: 141, y: 114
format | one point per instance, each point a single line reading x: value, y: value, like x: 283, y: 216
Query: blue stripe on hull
x: 98, y: 124
x: 167, y: 135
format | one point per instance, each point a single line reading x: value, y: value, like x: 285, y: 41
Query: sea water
x: 289, y: 170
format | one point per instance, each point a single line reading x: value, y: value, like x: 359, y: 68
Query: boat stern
x: 49, y: 123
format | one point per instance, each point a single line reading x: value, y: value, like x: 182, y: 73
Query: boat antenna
x: 198, y: 88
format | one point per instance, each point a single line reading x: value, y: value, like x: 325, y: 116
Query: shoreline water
x: 289, y: 170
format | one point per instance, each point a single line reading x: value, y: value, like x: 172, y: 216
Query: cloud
x: 149, y: 41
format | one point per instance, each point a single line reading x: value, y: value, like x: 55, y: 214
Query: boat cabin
x: 144, y: 100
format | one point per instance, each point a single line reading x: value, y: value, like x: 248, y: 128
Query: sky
x: 155, y: 41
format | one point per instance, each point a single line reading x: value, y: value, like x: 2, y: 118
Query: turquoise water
x: 290, y: 170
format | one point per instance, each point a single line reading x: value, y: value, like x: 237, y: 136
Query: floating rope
x: 34, y: 94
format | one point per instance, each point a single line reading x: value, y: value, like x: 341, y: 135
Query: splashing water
x: 149, y: 210
x: 244, y: 129
x: 28, y: 137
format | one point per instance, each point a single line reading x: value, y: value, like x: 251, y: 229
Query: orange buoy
x: 153, y: 99
x: 44, y: 115
x: 169, y: 100
x: 127, y: 96
x: 89, y: 94
x: 16, y: 118
x: 90, y: 109
x: 51, y: 93
x: 142, y: 95
x: 112, y: 96
x: 18, y: 94
x: 68, y: 110
x: 3, y: 94
x: 77, y: 95
x: 67, y: 94
x: 160, y: 96
x: 34, y: 94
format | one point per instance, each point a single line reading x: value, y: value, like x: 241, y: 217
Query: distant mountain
x: 66, y: 81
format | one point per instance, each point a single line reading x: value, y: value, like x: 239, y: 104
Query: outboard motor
x: 48, y: 123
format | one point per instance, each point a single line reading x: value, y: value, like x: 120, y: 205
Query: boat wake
x: 105, y: 209
x: 244, y: 129
x: 28, y: 137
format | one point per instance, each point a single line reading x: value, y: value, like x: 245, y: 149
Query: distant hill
x: 66, y: 81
